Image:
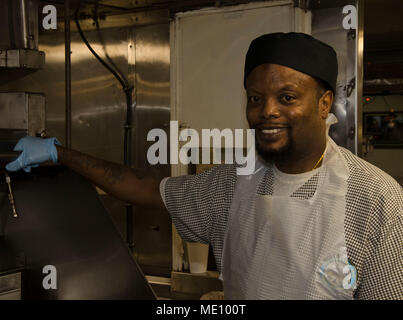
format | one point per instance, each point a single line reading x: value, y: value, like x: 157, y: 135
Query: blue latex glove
x: 34, y: 151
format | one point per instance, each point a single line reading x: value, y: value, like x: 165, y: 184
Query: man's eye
x: 287, y: 98
x: 253, y: 99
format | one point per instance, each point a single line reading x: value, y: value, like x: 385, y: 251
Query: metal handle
x: 10, y: 196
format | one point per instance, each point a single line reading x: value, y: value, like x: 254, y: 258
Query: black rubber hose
x: 128, y: 90
x: 101, y: 39
x: 96, y: 55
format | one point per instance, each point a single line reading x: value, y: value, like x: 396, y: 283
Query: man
x: 312, y: 222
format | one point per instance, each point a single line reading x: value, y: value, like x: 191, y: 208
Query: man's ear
x: 325, y: 103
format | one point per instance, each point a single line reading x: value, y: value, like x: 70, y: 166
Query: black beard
x: 270, y: 155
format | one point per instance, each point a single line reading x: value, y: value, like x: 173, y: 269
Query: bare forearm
x: 125, y: 183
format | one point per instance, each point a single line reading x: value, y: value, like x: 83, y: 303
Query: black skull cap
x: 298, y: 51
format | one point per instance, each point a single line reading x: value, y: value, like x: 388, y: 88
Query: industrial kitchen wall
x: 98, y: 113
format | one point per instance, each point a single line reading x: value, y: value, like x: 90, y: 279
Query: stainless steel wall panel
x: 152, y: 234
x: 98, y: 101
x: 152, y: 85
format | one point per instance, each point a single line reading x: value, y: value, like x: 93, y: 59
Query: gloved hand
x: 34, y: 151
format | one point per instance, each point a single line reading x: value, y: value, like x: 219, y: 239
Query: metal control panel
x: 21, y: 114
x: 22, y: 111
x: 22, y: 58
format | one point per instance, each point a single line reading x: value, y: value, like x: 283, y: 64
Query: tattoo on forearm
x: 112, y: 172
x: 139, y: 173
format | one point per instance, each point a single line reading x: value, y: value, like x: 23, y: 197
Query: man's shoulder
x: 363, y: 172
x: 370, y: 183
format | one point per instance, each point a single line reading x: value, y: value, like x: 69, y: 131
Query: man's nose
x: 270, y: 109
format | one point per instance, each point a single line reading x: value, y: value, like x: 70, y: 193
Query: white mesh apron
x: 286, y: 248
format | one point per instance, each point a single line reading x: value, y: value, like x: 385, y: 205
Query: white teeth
x: 271, y: 131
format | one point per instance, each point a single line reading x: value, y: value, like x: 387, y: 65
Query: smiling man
x: 288, y: 110
x: 313, y: 221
